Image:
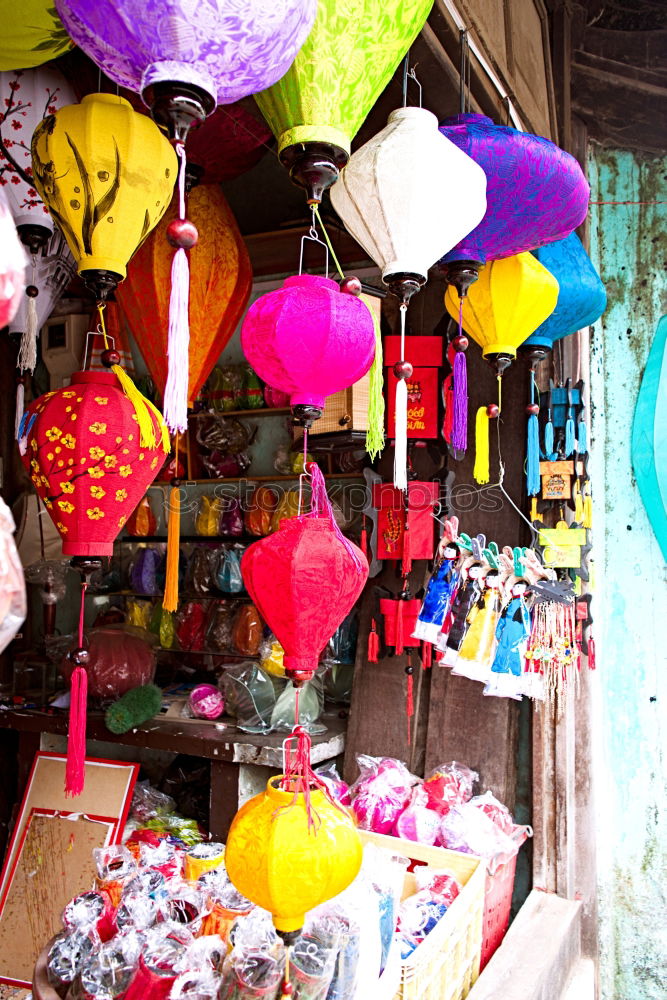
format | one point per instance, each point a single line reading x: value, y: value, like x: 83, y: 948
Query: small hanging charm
x: 373, y: 643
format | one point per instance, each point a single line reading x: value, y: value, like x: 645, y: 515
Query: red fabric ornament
x: 82, y: 448
x: 400, y: 620
x: 309, y: 339
x: 304, y: 580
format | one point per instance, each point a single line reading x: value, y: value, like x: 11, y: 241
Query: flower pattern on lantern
x: 110, y: 461
x: 53, y: 433
x: 87, y: 500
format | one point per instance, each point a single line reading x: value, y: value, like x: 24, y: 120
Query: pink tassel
x: 178, y: 344
x: 591, y: 654
x: 460, y: 418
x: 373, y: 644
x: 75, y: 771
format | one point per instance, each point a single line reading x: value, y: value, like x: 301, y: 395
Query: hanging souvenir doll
x: 441, y: 587
x: 467, y: 595
x: 476, y: 654
x: 512, y: 633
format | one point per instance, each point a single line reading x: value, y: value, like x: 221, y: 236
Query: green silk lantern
x: 318, y: 106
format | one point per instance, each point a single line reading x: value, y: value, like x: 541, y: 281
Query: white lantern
x: 408, y: 196
x: 52, y: 272
x: 27, y: 96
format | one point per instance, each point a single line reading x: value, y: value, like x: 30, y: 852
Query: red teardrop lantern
x: 82, y: 447
x: 304, y: 579
x: 228, y: 143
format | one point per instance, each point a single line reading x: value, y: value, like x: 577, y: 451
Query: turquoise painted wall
x: 629, y: 247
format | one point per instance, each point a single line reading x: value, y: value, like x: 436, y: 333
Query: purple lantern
x: 186, y: 56
x: 309, y: 339
x: 535, y: 193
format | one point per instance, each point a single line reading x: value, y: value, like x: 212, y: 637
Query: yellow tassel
x: 481, y: 470
x: 140, y: 404
x: 587, y: 519
x: 170, y: 601
x: 533, y: 509
x: 578, y: 503
x: 164, y: 430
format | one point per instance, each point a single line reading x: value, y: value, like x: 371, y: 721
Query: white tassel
x: 20, y: 405
x: 401, y: 431
x: 176, y: 391
x: 27, y: 358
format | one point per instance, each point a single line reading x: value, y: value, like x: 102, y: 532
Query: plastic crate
x: 497, y: 905
x: 446, y: 964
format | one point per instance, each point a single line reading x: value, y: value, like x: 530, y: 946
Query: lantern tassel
x: 549, y: 438
x: 399, y: 636
x: 170, y: 600
x: 569, y: 435
x: 75, y: 768
x: 375, y: 432
x: 460, y: 379
x: 178, y: 344
x: 448, y: 402
x: 409, y: 705
x: 401, y: 442
x: 587, y: 520
x: 481, y: 469
x: 20, y: 406
x: 363, y: 541
x: 406, y: 561
x: 27, y: 358
x: 373, y: 643
x: 591, y: 653
x: 533, y: 447
x: 582, y: 438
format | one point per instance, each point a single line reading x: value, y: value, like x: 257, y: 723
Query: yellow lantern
x: 106, y: 174
x: 286, y: 866
x: 507, y: 303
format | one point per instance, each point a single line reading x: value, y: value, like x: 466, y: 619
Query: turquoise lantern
x: 581, y: 298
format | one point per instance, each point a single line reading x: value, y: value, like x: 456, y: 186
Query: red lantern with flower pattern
x: 89, y: 460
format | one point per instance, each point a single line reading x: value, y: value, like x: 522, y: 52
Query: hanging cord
x: 375, y: 439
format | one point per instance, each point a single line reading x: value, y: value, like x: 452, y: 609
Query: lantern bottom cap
x: 288, y: 925
x: 87, y: 548
x: 405, y: 269
x: 173, y: 70
x: 504, y: 350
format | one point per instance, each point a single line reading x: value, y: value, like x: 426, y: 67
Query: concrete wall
x: 629, y: 247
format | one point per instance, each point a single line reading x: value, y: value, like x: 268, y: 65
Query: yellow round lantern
x: 31, y: 35
x: 286, y: 866
x: 106, y: 174
x: 507, y: 303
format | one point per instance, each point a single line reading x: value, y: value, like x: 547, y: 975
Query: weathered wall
x: 629, y: 246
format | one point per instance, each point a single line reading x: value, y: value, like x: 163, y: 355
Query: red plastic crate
x: 497, y: 904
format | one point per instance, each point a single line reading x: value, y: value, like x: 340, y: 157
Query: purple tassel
x: 460, y: 426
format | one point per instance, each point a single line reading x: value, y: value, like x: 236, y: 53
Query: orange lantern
x: 220, y: 282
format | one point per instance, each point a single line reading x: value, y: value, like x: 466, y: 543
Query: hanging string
x: 316, y: 213
x: 401, y: 418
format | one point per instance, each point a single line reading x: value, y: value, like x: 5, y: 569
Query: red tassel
x: 363, y: 545
x: 406, y: 562
x: 427, y: 654
x: 399, y: 628
x: 409, y: 706
x: 373, y: 643
x: 75, y: 771
x: 591, y: 653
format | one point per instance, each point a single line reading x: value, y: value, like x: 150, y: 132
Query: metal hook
x: 95, y: 333
x: 314, y: 237
x: 413, y: 76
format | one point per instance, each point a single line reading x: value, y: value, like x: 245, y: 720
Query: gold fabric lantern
x: 106, y: 174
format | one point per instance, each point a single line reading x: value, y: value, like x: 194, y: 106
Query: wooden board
x: 107, y: 792
x: 53, y: 863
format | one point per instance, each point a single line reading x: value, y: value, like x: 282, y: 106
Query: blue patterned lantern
x: 581, y: 299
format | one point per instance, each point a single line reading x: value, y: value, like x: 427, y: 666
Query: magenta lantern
x: 309, y: 339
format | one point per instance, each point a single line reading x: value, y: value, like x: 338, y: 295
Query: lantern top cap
x: 468, y: 118
x: 94, y: 377
x: 401, y: 114
x: 282, y: 797
x: 106, y: 99
x: 313, y: 280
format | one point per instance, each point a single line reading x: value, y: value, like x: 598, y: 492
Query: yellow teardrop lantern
x: 507, y: 303
x: 106, y: 174
x: 349, y: 57
x: 277, y: 861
